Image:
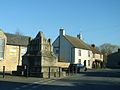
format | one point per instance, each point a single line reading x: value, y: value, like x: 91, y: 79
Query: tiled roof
x: 13, y: 39
x: 78, y: 43
x: 94, y: 50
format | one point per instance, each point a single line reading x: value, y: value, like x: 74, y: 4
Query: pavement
x: 103, y: 79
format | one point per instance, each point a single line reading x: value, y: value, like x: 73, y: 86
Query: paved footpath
x: 107, y: 79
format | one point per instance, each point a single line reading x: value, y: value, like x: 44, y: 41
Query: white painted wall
x: 84, y: 56
x: 98, y: 57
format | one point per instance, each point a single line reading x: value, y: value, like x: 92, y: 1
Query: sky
x: 97, y: 20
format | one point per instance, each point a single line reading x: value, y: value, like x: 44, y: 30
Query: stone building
x: 40, y: 59
x: 12, y: 47
x: 113, y: 60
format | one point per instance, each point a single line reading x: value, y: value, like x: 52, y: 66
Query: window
x: 88, y: 62
x: 57, y: 52
x: 79, y: 61
x: 79, y: 52
x: 2, y: 44
x: 88, y: 53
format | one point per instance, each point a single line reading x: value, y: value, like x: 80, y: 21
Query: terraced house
x: 76, y: 51
x: 73, y: 49
x: 12, y: 47
x: 97, y: 57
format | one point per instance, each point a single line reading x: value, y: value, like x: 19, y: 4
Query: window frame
x: 88, y: 53
x: 3, y: 48
x: 79, y: 52
x: 88, y: 62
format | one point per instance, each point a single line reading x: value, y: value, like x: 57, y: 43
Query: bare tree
x: 108, y: 48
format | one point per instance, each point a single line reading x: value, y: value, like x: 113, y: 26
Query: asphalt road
x: 90, y: 80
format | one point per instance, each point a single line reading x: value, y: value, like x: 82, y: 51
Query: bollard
x: 27, y: 72
x: 3, y: 71
x: 59, y: 71
x: 49, y: 72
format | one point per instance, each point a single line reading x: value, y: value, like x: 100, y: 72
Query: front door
x: 85, y: 63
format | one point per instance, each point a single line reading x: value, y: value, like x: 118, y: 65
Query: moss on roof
x: 13, y: 39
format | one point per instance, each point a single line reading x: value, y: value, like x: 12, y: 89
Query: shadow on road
x: 82, y: 85
x: 108, y: 73
x: 74, y: 83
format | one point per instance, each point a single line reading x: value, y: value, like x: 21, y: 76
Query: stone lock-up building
x: 40, y: 60
x: 12, y: 47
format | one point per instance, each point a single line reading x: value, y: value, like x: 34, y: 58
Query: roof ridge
x: 16, y: 34
x: 77, y: 42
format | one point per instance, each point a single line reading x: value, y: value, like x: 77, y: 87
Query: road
x: 91, y: 80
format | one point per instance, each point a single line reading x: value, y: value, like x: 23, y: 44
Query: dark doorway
x: 84, y: 62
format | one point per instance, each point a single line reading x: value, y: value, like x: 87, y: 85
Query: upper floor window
x: 57, y: 51
x: 88, y: 53
x: 2, y: 45
x: 79, y: 52
x: 88, y: 62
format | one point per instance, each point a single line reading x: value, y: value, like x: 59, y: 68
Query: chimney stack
x: 62, y: 31
x: 49, y: 40
x: 79, y: 36
x: 93, y: 45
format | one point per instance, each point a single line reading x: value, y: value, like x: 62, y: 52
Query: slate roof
x: 13, y: 39
x: 77, y: 43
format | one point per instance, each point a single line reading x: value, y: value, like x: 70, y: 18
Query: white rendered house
x: 72, y: 49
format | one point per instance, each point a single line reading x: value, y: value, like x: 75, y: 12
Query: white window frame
x: 3, y: 47
x: 88, y: 62
x: 88, y: 53
x: 79, y: 52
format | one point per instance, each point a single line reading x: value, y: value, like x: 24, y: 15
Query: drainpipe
x: 19, y: 55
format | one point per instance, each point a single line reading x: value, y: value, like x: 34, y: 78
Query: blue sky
x: 98, y: 20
